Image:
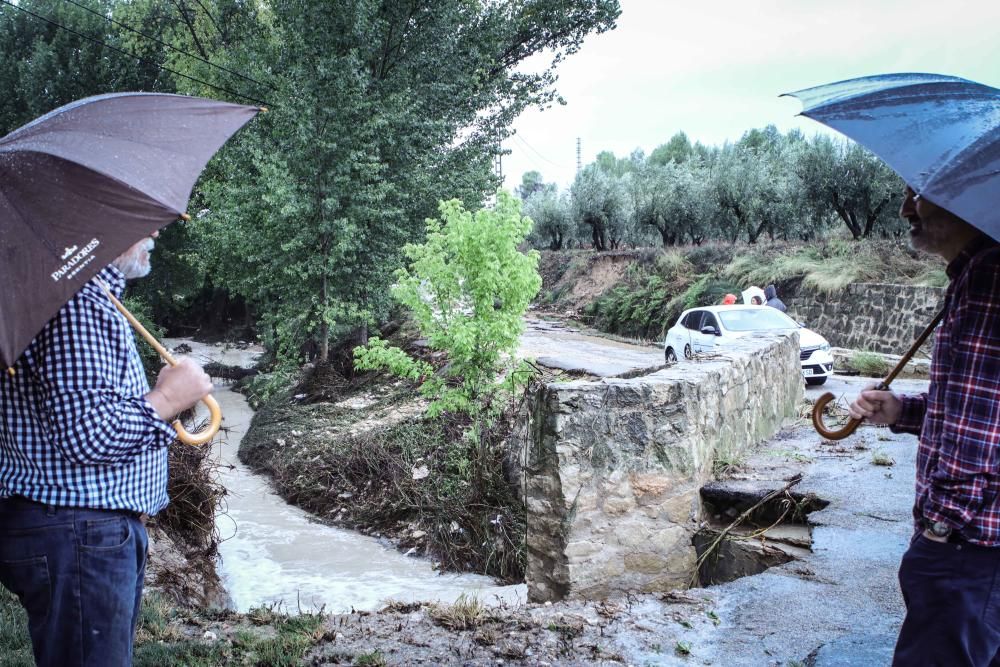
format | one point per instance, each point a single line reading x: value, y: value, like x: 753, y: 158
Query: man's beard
x: 136, y: 264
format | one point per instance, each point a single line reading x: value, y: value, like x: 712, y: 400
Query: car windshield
x: 756, y: 319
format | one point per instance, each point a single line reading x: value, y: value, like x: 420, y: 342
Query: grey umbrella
x: 940, y: 133
x: 81, y: 184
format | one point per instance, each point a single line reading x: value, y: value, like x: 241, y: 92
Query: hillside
x: 637, y: 293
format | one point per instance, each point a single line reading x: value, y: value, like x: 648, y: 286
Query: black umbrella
x: 83, y: 183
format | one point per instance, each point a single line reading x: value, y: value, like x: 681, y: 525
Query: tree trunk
x: 324, y: 328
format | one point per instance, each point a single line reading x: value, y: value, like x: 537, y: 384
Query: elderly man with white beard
x: 83, y: 456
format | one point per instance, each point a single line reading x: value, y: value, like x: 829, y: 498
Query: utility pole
x: 499, y: 159
x: 579, y: 159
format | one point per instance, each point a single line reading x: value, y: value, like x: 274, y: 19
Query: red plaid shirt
x: 958, y: 419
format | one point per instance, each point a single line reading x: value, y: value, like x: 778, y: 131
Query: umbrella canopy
x: 83, y: 183
x: 940, y: 133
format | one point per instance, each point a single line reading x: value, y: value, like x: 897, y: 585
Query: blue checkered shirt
x: 75, y: 427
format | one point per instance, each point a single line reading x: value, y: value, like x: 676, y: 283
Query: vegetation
x: 870, y: 364
x: 467, y: 287
x: 170, y: 636
x: 417, y: 479
x: 659, y: 285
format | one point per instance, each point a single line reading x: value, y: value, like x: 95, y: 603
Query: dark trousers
x: 78, y: 573
x: 952, y: 595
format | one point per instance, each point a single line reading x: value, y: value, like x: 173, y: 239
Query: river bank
x: 772, y: 618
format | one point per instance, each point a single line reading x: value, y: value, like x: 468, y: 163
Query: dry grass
x: 466, y: 613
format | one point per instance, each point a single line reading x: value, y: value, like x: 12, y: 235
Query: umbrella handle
x: 852, y: 425
x: 215, y: 413
x: 817, y: 419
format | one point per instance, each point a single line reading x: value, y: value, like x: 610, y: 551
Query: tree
x: 532, y: 184
x: 678, y: 149
x: 46, y: 66
x: 467, y: 287
x: 600, y: 202
x: 849, y: 181
x: 552, y: 217
x: 387, y: 107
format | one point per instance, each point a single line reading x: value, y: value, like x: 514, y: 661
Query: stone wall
x: 875, y: 317
x: 612, y: 468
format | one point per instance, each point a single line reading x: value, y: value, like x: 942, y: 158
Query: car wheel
x: 687, y: 352
x: 815, y: 382
x: 670, y: 355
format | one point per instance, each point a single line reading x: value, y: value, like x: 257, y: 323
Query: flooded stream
x: 275, y: 553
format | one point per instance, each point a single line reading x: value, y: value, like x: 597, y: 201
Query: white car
x: 710, y: 327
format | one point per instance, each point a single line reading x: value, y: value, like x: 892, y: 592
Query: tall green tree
x: 845, y: 179
x: 382, y: 109
x: 46, y: 66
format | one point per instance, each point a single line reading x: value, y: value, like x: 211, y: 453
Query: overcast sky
x: 715, y: 68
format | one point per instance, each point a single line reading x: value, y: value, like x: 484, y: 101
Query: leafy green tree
x: 600, y: 203
x: 385, y: 108
x: 531, y: 185
x: 46, y: 66
x: 678, y: 149
x: 845, y: 179
x: 552, y: 215
x: 467, y: 287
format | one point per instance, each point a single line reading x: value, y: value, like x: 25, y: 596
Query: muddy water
x: 275, y: 553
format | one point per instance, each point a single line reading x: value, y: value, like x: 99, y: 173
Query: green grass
x: 15, y: 644
x: 870, y: 364
x: 373, y: 659
x: 160, y: 641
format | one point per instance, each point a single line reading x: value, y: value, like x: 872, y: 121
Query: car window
x: 693, y: 320
x: 757, y: 319
x: 709, y: 321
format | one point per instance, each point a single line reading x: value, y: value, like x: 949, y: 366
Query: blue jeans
x: 78, y: 573
x: 952, y: 595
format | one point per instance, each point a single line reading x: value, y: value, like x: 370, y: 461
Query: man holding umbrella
x: 82, y: 455
x: 948, y: 574
x: 940, y: 134
x: 83, y: 440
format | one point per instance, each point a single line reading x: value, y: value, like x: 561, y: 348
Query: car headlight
x: 825, y: 347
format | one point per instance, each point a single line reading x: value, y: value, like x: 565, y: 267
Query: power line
x: 169, y: 46
x: 132, y: 55
x: 532, y: 149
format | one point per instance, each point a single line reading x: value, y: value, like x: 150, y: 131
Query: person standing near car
x: 83, y: 455
x: 950, y: 575
x: 771, y: 294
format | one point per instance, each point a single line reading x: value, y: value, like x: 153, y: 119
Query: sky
x: 715, y: 68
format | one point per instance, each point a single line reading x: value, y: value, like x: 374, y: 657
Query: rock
x: 417, y: 534
x: 209, y: 636
x: 421, y: 472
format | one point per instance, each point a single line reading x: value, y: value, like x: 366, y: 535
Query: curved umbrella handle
x: 852, y: 425
x: 215, y: 417
x: 817, y: 417
x: 214, y: 422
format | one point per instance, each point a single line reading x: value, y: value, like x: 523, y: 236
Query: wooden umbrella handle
x: 852, y: 424
x: 215, y: 413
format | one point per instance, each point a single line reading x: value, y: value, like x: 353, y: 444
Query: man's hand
x: 934, y: 538
x: 878, y: 407
x: 179, y: 388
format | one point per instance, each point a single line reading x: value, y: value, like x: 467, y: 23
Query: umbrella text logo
x: 75, y: 263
